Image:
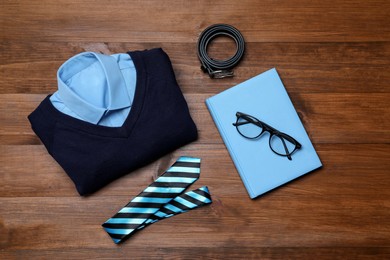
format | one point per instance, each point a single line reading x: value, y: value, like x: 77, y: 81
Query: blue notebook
x: 265, y: 98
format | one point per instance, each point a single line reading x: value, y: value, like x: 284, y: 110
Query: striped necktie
x: 162, y: 199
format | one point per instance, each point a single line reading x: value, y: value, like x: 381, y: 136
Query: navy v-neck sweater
x: 93, y: 155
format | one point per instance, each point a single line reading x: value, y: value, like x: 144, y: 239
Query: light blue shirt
x: 96, y: 88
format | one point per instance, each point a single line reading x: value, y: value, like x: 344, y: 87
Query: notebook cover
x: 265, y: 98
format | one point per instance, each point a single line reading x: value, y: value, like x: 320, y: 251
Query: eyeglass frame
x: 267, y: 128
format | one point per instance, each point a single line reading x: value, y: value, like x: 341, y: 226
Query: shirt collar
x: 116, y: 95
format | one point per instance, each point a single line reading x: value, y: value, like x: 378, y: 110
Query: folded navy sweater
x: 94, y: 155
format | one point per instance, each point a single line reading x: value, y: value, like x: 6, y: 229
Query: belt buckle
x: 220, y: 74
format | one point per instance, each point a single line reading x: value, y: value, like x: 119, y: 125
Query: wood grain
x: 334, y: 59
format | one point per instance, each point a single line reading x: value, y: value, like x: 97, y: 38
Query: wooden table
x: 334, y: 59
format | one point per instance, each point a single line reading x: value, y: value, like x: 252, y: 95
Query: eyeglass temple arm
x: 286, y: 149
x: 297, y: 144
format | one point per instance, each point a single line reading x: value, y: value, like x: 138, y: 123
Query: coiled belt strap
x: 220, y: 68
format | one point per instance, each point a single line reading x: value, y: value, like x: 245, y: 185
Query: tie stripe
x: 161, y: 199
x: 158, y: 194
x: 131, y: 215
x: 199, y: 195
x: 193, y: 164
x: 150, y: 200
x: 126, y: 221
x: 183, y: 169
x: 183, y: 201
x: 181, y: 204
x: 169, y: 184
x: 189, y: 160
x: 137, y: 210
x: 181, y: 174
x: 165, y: 189
x: 176, y: 179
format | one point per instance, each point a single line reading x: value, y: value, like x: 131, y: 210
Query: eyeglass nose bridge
x: 269, y: 129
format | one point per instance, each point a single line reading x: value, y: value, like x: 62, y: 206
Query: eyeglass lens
x: 277, y: 145
x: 248, y: 129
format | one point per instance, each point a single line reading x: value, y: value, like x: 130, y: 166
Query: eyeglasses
x: 280, y: 143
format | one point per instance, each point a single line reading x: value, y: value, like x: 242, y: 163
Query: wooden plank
x: 178, y: 21
x: 344, y: 172
x: 158, y: 252
x: 303, y: 67
x: 327, y: 117
x: 282, y: 221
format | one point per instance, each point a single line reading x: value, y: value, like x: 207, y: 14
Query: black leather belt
x: 219, y: 68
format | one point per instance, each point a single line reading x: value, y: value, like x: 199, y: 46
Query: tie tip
x: 205, y: 189
x: 116, y: 241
